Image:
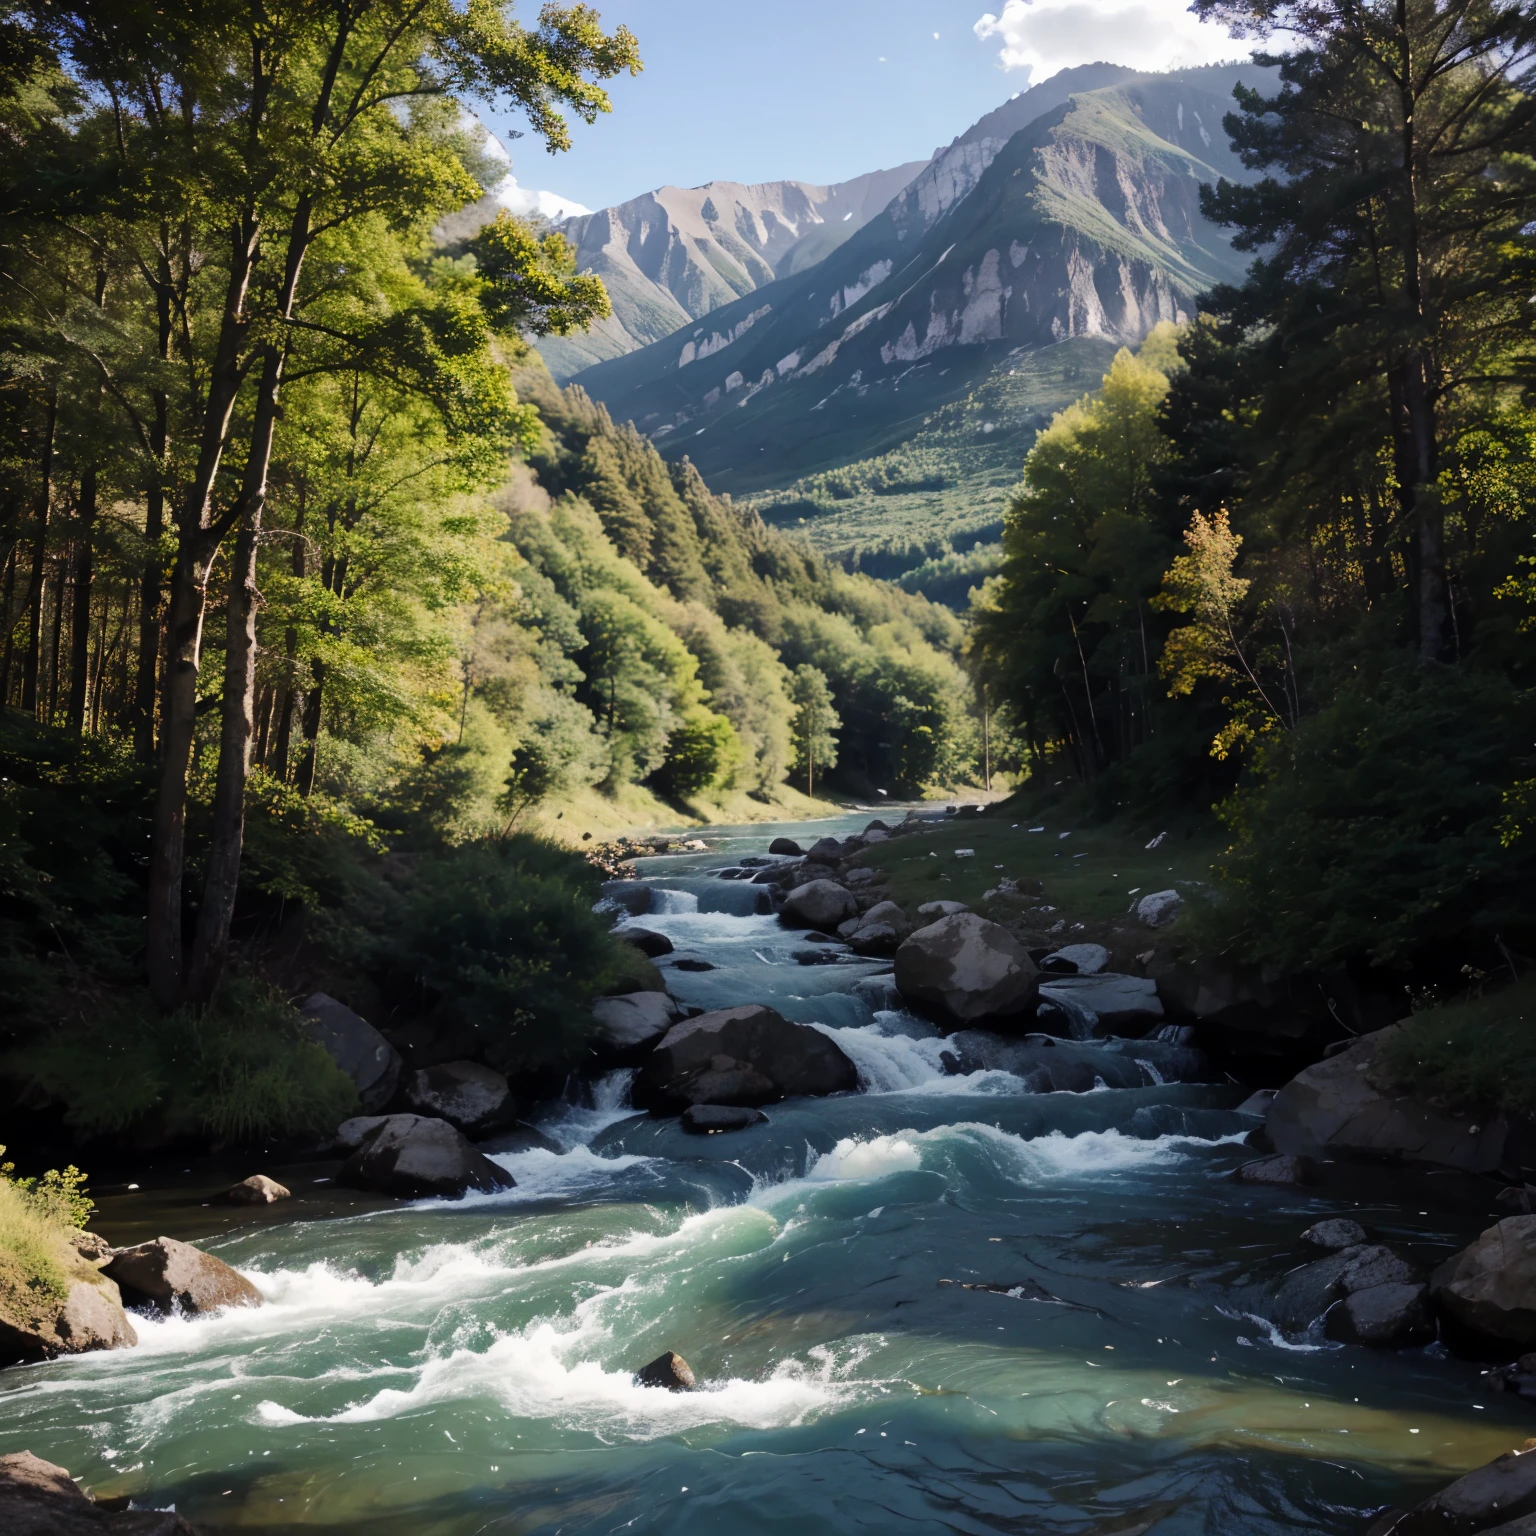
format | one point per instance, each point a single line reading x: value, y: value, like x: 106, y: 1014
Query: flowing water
x: 456, y: 1367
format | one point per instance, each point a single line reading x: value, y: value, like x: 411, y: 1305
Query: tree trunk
x: 309, y: 764
x: 80, y: 622
x: 33, y: 658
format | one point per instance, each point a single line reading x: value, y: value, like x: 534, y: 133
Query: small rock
x: 828, y: 848
x: 1160, y: 908
x: 92, y: 1247
x: 1519, y: 1377
x: 172, y: 1276
x: 935, y: 909
x: 634, y: 1019
x: 257, y: 1190
x: 1083, y: 959
x: 472, y: 1097
x: 1385, y: 1316
x: 1278, y: 1170
x: 650, y: 943
x: 693, y: 963
x: 876, y: 826
x: 1256, y: 1103
x: 669, y: 1370
x: 1376, y: 1264
x: 520, y: 1137
x: 1489, y: 1288
x: 786, y: 846
x: 704, y: 1119
x: 1335, y: 1233
x: 631, y: 896
x: 412, y: 1157
x: 811, y: 936
x: 40, y: 1499
x: 815, y: 956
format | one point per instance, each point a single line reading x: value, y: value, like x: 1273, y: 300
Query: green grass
x: 1089, y: 874
x: 37, y: 1257
x: 1476, y: 1056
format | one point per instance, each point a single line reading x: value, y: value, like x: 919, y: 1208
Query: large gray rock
x: 257, y: 1190
x: 817, y: 904
x: 965, y: 969
x: 171, y: 1276
x: 670, y: 1371
x: 356, y: 1047
x: 650, y: 943
x: 40, y: 1499
x: 634, y: 1019
x: 746, y: 1055
x: 413, y: 1157
x: 1488, y: 1290
x: 1385, y: 1316
x: 1485, y: 1500
x: 1160, y: 909
x: 474, y: 1098
x: 1122, y: 1003
x: 874, y: 939
x: 711, y: 1119
x: 1334, y: 1234
x: 89, y: 1318
x: 1278, y: 1170
x: 632, y: 896
x: 1346, y: 1107
x: 786, y: 846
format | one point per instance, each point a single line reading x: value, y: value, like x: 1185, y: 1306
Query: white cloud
x: 524, y: 201
x: 1048, y: 35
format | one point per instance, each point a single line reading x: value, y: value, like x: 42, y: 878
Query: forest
x: 318, y: 595
x: 1281, y: 562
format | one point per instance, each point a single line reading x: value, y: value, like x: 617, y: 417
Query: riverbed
x: 448, y: 1368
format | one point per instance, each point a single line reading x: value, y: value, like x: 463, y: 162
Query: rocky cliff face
x: 1083, y: 224
x: 676, y: 254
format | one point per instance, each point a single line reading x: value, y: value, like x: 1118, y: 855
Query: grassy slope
x: 863, y: 516
x: 1088, y: 874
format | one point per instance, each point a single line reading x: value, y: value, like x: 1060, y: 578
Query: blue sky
x: 821, y: 90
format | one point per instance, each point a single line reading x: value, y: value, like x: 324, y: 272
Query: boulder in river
x: 1488, y: 1290
x: 1337, y: 1233
x: 90, y: 1317
x: 828, y: 848
x: 1490, y: 1499
x: 356, y: 1047
x: 817, y: 904
x: 632, y: 896
x: 172, y: 1276
x: 413, y: 1157
x: 473, y: 1097
x: 708, y: 1119
x: 633, y: 1021
x: 874, y: 939
x: 669, y: 1370
x: 257, y: 1190
x: 786, y: 847
x: 40, y: 1499
x: 1386, y: 1316
x: 1278, y: 1170
x: 1347, y: 1108
x: 650, y: 943
x: 1122, y: 1004
x: 745, y: 1055
x: 965, y: 969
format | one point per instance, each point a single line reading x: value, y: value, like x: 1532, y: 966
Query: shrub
x: 37, y: 1217
x: 1374, y: 829
x: 239, y: 1071
x: 501, y: 935
x: 1473, y: 1057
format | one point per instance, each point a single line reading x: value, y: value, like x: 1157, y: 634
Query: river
x: 446, y: 1368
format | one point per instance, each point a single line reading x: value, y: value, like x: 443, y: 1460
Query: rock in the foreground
x: 669, y: 1370
x: 1347, y: 1107
x: 633, y: 1019
x: 356, y: 1047
x: 171, y: 1276
x: 1384, y: 1316
x: 707, y: 1119
x: 747, y: 1055
x: 258, y: 1190
x: 40, y: 1499
x: 413, y: 1157
x: 474, y: 1098
x: 1488, y: 1499
x: 966, y: 969
x: 1488, y: 1290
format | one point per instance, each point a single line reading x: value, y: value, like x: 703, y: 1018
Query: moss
x: 1472, y: 1057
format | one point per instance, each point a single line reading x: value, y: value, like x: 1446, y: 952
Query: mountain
x: 1068, y: 219
x: 676, y: 254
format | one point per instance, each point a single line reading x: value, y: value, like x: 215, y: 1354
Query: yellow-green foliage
x: 37, y: 1217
